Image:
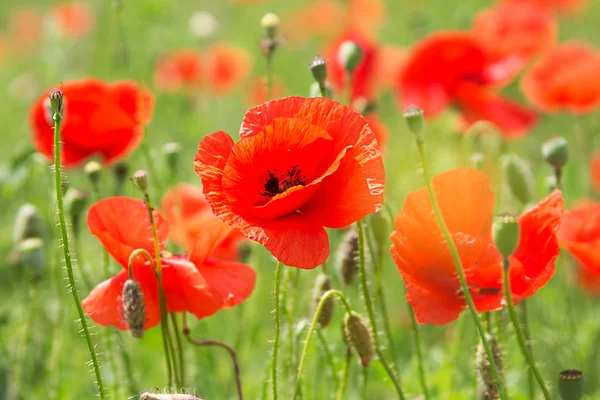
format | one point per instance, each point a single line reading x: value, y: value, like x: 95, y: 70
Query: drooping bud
x: 120, y: 172
x: 570, y: 384
x: 322, y: 285
x: 556, y: 151
x: 171, y: 151
x: 134, y: 308
x: 270, y: 23
x: 75, y: 202
x: 349, y: 55
x: 140, y: 180
x: 359, y: 337
x: 505, y: 233
x: 486, y: 376
x: 92, y: 169
x: 414, y: 119
x: 347, y: 257
x: 315, y: 90
x: 28, y: 223
x: 519, y: 177
x: 32, y: 254
x: 56, y: 97
x: 318, y: 67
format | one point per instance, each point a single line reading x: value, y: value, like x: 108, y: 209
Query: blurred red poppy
x: 363, y: 78
x: 365, y: 16
x: 226, y: 67
x: 565, y: 79
x: 452, y: 68
x: 74, y: 19
x: 25, y: 28
x: 595, y: 170
x: 389, y: 64
x: 564, y: 6
x: 178, y: 70
x: 3, y: 48
x: 199, y: 284
x: 301, y: 165
x: 98, y: 118
x: 580, y: 235
x: 257, y: 91
x: 189, y: 216
x: 321, y: 17
x: 467, y: 205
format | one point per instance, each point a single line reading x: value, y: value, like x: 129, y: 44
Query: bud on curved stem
x: 359, y: 337
x: 321, y: 286
x: 347, y: 263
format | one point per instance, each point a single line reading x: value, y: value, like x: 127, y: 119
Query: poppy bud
x: 56, y: 97
x: 171, y: 151
x: 29, y: 223
x: 140, y: 180
x: 359, y: 336
x: 75, y: 202
x: 486, y: 376
x: 347, y: 264
x: 477, y: 160
x: 120, y: 171
x: 519, y: 177
x: 322, y: 285
x: 505, y: 233
x: 350, y: 55
x: 134, y: 309
x: 318, y: 67
x: 270, y: 22
x: 380, y: 224
x: 556, y: 151
x: 32, y: 254
x: 315, y: 90
x: 570, y: 384
x: 92, y: 169
x: 414, y: 119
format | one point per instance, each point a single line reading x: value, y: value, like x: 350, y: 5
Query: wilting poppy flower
x: 467, y: 205
x: 198, y: 284
x: 565, y: 79
x: 301, y: 165
x: 452, y: 68
x: 189, y: 216
x: 580, y: 235
x: 595, y: 171
x: 564, y: 6
x: 25, y: 28
x: 181, y: 69
x: 515, y: 32
x: 98, y: 118
x: 257, y: 91
x: 74, y: 19
x: 226, y: 67
x: 363, y: 78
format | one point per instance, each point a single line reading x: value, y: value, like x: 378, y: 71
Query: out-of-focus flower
x: 321, y: 17
x: 389, y: 64
x: 302, y: 164
x: 73, y: 19
x: 179, y: 70
x: 257, y: 91
x: 203, y: 25
x: 565, y: 79
x: 580, y: 235
x: 365, y: 16
x: 226, y: 67
x: 563, y: 6
x: 24, y: 28
x: 98, y: 118
x: 3, y: 48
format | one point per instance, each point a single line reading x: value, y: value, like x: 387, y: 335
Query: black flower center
x: 278, y: 183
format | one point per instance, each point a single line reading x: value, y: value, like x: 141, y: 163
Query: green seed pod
x: 32, y: 254
x: 359, y: 336
x: 556, y: 151
x: 350, y: 55
x: 92, y: 169
x: 519, y: 177
x: 315, y: 90
x: 28, y: 223
x: 488, y: 388
x: 120, y: 172
x: 415, y: 119
x: 322, y: 285
x: 56, y: 97
x: 75, y: 202
x: 318, y: 67
x: 570, y: 384
x: 347, y: 257
x: 381, y: 223
x: 270, y: 23
x: 140, y: 180
x: 505, y: 233
x: 171, y: 151
x: 134, y: 309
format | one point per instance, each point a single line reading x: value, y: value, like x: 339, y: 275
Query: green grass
x: 52, y: 356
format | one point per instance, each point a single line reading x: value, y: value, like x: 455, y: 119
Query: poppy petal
x: 580, y: 235
x: 230, y: 281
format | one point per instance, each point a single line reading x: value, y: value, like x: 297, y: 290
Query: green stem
x: 519, y: 331
x: 531, y: 377
x: 461, y: 274
x: 150, y: 163
x: 419, y: 352
x: 123, y: 36
x: 323, y: 90
x: 180, y: 350
x: 269, y: 77
x: 328, y: 356
x: 67, y: 254
x: 345, y: 373
x: 364, y: 393
x: 313, y: 326
x: 22, y: 359
x: 277, y: 329
x: 132, y: 385
x: 369, y: 305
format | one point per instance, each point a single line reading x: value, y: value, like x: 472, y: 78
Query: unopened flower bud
x: 75, y: 202
x: 92, y: 169
x: 315, y: 90
x: 32, y: 254
x: 28, y: 223
x: 380, y: 225
x: 518, y: 177
x: 171, y: 151
x: 347, y: 263
x: 570, y: 384
x: 359, y: 337
x: 140, y: 180
x: 414, y: 119
x: 322, y: 285
x: 489, y: 388
x: 556, y: 151
x: 134, y: 309
x: 56, y: 97
x: 270, y: 23
x: 120, y: 172
x: 318, y: 67
x: 349, y: 55
x: 505, y: 233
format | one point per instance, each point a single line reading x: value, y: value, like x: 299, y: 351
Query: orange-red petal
x: 232, y: 282
x: 580, y: 235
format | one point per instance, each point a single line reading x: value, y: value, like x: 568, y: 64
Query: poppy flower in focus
x: 515, y: 32
x: 98, y: 118
x: 363, y: 78
x: 563, y: 6
x: 73, y: 19
x: 189, y: 216
x: 580, y: 235
x: 566, y: 78
x: 302, y: 164
x: 452, y: 68
x: 595, y: 170
x: 25, y: 28
x: 199, y: 284
x: 181, y: 69
x: 467, y: 206
x: 226, y: 67
x: 257, y: 91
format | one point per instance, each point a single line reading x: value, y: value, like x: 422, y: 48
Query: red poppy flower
x: 181, y: 69
x: 580, y: 235
x: 257, y: 91
x: 321, y: 17
x: 564, y: 6
x: 301, y: 165
x: 73, y: 19
x: 452, y: 68
x: 25, y: 28
x: 189, y: 216
x: 467, y: 205
x: 98, y: 118
x: 515, y: 30
x: 198, y: 284
x: 226, y: 67
x: 595, y: 171
x: 365, y: 16
x: 565, y: 79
